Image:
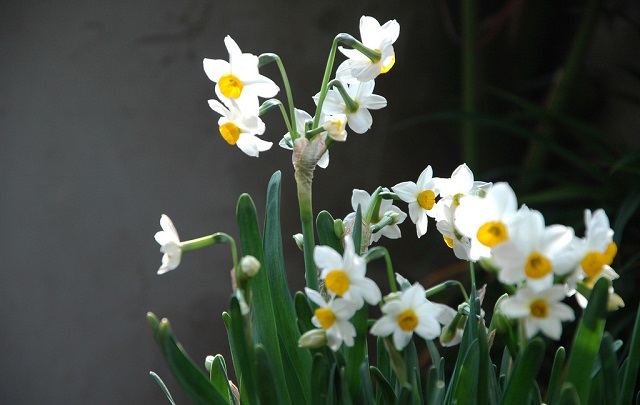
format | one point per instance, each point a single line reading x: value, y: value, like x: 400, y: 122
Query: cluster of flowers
x: 239, y: 86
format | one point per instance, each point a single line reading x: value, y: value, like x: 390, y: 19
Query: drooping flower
x: 335, y: 127
x: 410, y: 313
x: 375, y: 37
x: 456, y: 241
x: 240, y: 127
x: 486, y: 220
x: 542, y: 310
x: 535, y: 252
x: 169, y: 245
x: 359, y: 118
x: 344, y: 276
x: 333, y: 317
x: 287, y: 143
x: 421, y: 197
x: 363, y: 199
x: 239, y: 78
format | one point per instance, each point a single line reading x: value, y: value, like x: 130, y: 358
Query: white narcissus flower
x: 344, y: 276
x: 421, y: 197
x: 459, y: 243
x: 240, y: 127
x: 239, y: 78
x: 335, y: 127
x: 486, y: 220
x: 333, y: 317
x: 410, y: 313
x: 169, y: 245
x: 359, y: 120
x: 375, y: 37
x: 362, y: 198
x: 287, y: 143
x: 597, y: 248
x: 540, y: 310
x: 535, y: 253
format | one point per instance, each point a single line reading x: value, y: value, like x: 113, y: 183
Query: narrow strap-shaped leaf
x: 384, y: 363
x: 535, y: 395
x: 241, y: 351
x: 524, y: 373
x: 609, y: 370
x: 466, y: 387
x: 434, y: 388
x: 263, y: 313
x: 163, y: 387
x: 596, y: 390
x: 326, y: 231
x: 586, y: 343
x: 357, y: 231
x: 191, y: 378
x: 383, y: 387
x: 569, y: 395
x: 303, y: 312
x: 555, y: 379
x: 296, y: 371
x: 633, y: 362
x: 320, y: 380
x: 357, y: 354
x: 218, y: 375
x: 366, y: 390
x: 265, y: 376
x: 345, y: 398
x: 404, y: 397
x: 416, y: 387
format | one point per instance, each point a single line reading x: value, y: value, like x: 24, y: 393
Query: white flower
x: 240, y: 127
x: 535, y: 252
x: 345, y: 276
x: 362, y: 198
x: 375, y: 37
x: 335, y: 127
x: 541, y: 310
x: 287, y: 143
x: 412, y: 312
x: 597, y: 249
x: 486, y: 220
x: 333, y: 317
x: 452, y: 237
x: 239, y: 78
x: 169, y: 245
x: 421, y: 197
x: 359, y: 119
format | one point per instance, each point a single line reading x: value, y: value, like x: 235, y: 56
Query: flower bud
x: 208, y: 362
x: 249, y: 266
x: 615, y: 302
x: 313, y: 339
x: 392, y: 296
x: 298, y: 238
x: 338, y: 228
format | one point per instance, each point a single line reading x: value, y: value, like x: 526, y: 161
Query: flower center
x: 448, y: 241
x: 325, y: 316
x: 537, y: 266
x: 492, y: 233
x: 230, y: 86
x: 427, y: 199
x: 230, y: 132
x: 408, y: 320
x: 456, y: 199
x: 592, y: 263
x: 337, y: 282
x: 539, y: 309
x: 388, y: 63
x: 610, y: 253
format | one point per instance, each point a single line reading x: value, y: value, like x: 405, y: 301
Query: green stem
x: 472, y: 275
x: 269, y: 104
x: 218, y: 237
x: 350, y: 104
x: 443, y: 286
x: 469, y: 81
x: 308, y: 238
x: 378, y: 252
x: 268, y: 57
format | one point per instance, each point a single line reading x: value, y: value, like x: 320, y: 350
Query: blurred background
x: 104, y: 126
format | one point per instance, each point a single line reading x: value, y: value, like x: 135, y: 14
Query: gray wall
x: 104, y: 126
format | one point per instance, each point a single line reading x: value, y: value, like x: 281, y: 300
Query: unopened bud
x: 299, y: 239
x: 615, y: 302
x: 449, y: 336
x: 392, y: 296
x: 338, y: 228
x: 208, y: 362
x: 249, y: 266
x: 313, y: 339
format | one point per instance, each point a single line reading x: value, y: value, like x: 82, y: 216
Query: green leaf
x: 569, y: 395
x: 263, y: 313
x: 267, y: 386
x: 366, y: 390
x: 524, y: 373
x: 320, y: 377
x: 435, y: 387
x: 344, y: 387
x: 466, y: 387
x: 586, y: 343
x: 162, y: 387
x: 326, y: 233
x: 383, y: 386
x: 633, y: 362
x: 357, y: 354
x: 555, y: 380
x: 295, y: 371
x: 303, y: 312
x: 191, y: 378
x: 609, y: 369
x: 218, y: 375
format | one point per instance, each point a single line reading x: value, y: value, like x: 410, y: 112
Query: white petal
x: 315, y: 297
x: 360, y: 121
x: 407, y: 191
x: 215, y: 68
x: 384, y: 326
x: 551, y: 327
x: 369, y: 290
x: 401, y: 339
x: 373, y: 102
x: 327, y: 258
